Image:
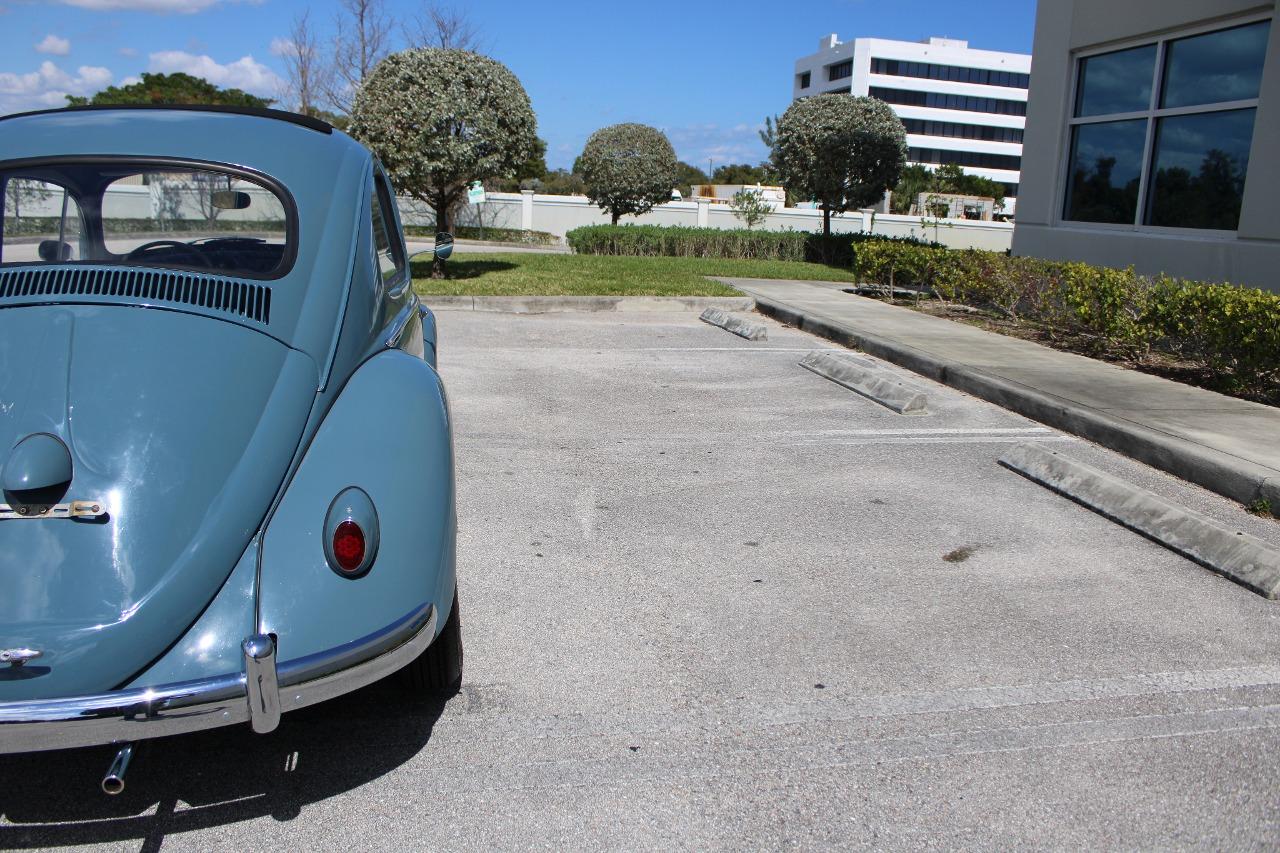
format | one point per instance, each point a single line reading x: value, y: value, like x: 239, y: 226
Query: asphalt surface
x: 713, y: 600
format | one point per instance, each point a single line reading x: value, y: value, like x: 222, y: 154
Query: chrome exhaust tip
x: 113, y: 781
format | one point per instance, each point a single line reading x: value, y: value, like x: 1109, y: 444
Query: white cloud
x: 129, y: 81
x: 281, y: 47
x: 245, y: 73
x: 697, y: 143
x: 178, y: 7
x: 128, y: 51
x: 54, y: 45
x: 48, y: 86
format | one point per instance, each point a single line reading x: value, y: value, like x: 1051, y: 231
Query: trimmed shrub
x: 1233, y: 330
x: 477, y: 232
x: 683, y: 242
x: 897, y: 264
x: 1110, y: 305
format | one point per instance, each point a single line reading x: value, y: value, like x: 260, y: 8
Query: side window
x: 390, y: 257
x: 42, y: 222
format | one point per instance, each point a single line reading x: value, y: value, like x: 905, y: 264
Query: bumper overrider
x: 257, y: 696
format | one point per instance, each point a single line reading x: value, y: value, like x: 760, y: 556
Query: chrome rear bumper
x: 190, y: 706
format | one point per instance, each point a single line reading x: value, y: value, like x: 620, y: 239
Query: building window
x: 943, y: 156
x: 939, y: 100
x: 954, y: 130
x: 953, y: 73
x: 804, y: 80
x: 840, y: 70
x: 1160, y: 134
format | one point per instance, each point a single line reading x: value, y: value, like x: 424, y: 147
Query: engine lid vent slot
x: 241, y: 299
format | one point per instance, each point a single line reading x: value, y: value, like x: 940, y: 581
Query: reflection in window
x: 1106, y: 169
x: 1199, y: 169
x: 1117, y: 82
x: 1215, y: 67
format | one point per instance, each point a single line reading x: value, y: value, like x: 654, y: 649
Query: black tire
x: 438, y: 670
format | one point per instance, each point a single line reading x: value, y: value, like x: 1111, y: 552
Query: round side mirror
x: 444, y: 245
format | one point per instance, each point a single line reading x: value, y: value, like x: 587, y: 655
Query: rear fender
x: 387, y: 433
x: 428, y: 334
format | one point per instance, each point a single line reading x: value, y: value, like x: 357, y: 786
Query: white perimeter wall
x: 558, y: 214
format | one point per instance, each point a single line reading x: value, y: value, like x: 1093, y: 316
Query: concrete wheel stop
x: 740, y: 326
x: 1245, y: 559
x: 868, y: 379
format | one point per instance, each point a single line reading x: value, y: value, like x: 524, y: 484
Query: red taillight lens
x: 348, y: 546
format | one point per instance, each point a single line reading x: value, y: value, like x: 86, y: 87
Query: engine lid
x: 179, y: 429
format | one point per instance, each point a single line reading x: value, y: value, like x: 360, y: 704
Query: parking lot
x: 713, y: 600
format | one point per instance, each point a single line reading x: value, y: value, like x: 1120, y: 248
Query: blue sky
x: 707, y: 73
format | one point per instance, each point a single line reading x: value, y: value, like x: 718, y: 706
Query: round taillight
x: 348, y: 546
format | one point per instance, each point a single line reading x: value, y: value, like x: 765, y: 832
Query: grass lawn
x: 529, y: 274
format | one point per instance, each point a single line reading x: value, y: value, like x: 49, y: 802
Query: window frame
x: 1152, y: 115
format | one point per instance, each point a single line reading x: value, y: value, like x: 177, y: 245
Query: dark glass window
x: 1106, y: 169
x: 955, y: 130
x: 959, y: 74
x: 942, y: 156
x: 1117, y: 82
x: 1199, y: 168
x: 1215, y: 67
x: 805, y: 79
x: 938, y: 100
x: 840, y: 70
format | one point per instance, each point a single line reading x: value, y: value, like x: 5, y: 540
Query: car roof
x: 262, y: 112
x: 283, y: 145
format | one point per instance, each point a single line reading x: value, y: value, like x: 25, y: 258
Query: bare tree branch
x: 363, y: 40
x: 306, y: 72
x: 442, y: 26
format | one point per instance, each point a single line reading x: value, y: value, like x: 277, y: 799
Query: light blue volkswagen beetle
x: 225, y: 451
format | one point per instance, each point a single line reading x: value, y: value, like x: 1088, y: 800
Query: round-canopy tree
x: 841, y: 150
x: 628, y: 168
x: 441, y: 118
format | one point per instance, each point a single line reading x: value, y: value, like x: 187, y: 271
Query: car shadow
x: 220, y: 777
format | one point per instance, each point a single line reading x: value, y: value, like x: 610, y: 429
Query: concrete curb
x: 876, y: 385
x: 1245, y: 559
x: 740, y: 327
x: 1229, y: 476
x: 557, y: 304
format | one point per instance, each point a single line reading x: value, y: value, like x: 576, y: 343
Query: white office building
x: 960, y: 105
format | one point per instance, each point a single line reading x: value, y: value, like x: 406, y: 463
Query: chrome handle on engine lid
x: 74, y: 509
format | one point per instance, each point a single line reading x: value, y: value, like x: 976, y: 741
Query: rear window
x: 195, y: 219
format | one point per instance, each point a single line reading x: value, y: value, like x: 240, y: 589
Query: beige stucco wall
x: 1064, y: 27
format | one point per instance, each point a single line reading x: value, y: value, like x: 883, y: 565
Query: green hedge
x: 47, y: 226
x: 1234, y: 331
x: 475, y: 232
x: 682, y: 242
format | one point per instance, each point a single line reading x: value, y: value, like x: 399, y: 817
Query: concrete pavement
x: 1230, y: 446
x: 712, y: 600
